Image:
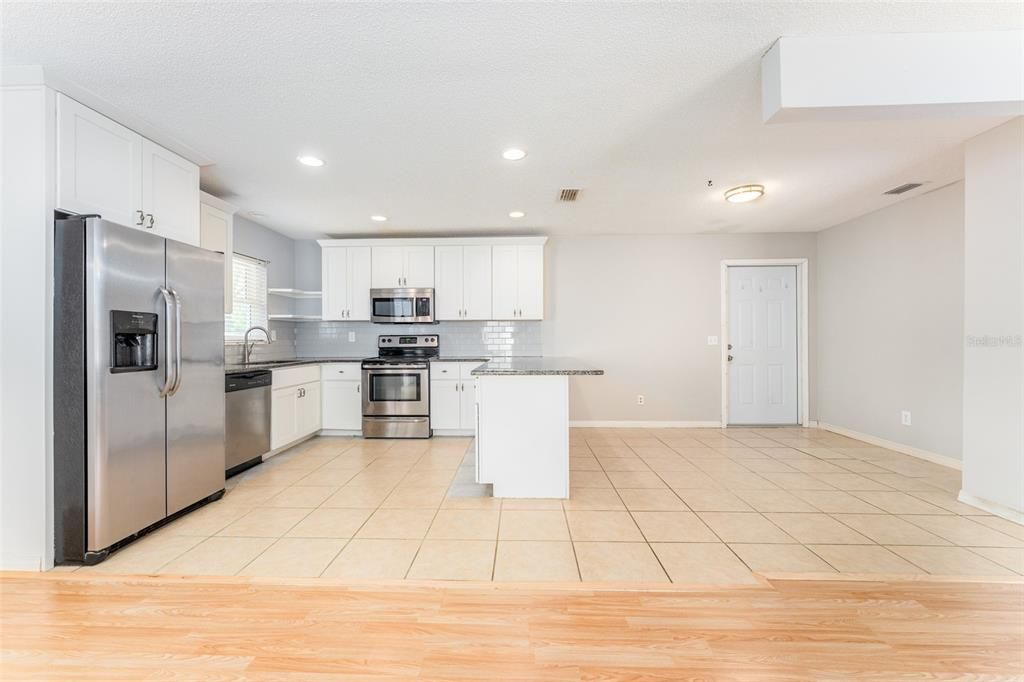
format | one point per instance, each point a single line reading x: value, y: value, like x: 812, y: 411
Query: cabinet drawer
x: 293, y: 376
x: 341, y: 371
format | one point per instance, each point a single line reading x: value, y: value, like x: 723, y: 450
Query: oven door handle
x: 395, y: 369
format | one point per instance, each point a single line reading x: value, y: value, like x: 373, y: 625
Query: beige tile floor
x: 693, y: 506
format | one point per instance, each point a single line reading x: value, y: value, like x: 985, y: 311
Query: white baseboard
x: 340, y: 432
x: 454, y: 432
x: 1000, y: 510
x: 932, y: 457
x: 586, y: 424
x: 11, y: 562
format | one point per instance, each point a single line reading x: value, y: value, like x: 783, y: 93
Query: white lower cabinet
x: 453, y: 396
x: 342, y: 398
x: 294, y: 405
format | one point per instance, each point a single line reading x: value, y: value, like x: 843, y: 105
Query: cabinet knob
x: 142, y: 218
x: 149, y: 225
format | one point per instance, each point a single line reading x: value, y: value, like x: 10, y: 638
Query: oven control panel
x: 412, y: 341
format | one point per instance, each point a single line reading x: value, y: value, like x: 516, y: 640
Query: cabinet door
x: 283, y: 417
x: 476, y: 282
x: 418, y: 266
x: 215, y: 234
x: 359, y: 283
x: 170, y: 193
x: 467, y: 418
x: 98, y: 164
x: 504, y: 278
x: 334, y: 279
x: 448, y: 277
x: 530, y: 282
x: 308, y: 409
x: 342, y: 405
x: 445, y: 410
x: 386, y: 267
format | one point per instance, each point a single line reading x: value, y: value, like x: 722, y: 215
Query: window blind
x: 249, y: 296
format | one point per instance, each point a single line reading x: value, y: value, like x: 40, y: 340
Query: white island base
x: 522, y: 444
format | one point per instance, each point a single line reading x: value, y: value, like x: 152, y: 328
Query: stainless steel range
x: 396, y: 387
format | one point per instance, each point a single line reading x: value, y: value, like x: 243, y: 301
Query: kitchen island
x: 522, y: 444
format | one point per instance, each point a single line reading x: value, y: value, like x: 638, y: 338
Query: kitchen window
x: 249, y: 297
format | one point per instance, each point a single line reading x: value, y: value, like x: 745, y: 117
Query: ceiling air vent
x: 904, y: 188
x: 569, y: 194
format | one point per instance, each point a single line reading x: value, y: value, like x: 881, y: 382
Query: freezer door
x: 195, y: 407
x: 124, y: 411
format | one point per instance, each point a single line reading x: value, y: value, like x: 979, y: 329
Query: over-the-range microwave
x: 402, y: 306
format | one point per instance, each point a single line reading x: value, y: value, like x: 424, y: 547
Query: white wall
x: 26, y: 234
x: 641, y: 307
x: 993, y: 414
x: 890, y: 322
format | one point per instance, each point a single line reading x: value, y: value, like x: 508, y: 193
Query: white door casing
x: 763, y: 376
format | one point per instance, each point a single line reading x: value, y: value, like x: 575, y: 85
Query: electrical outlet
x: 273, y: 335
x: 712, y: 340
x: 351, y: 337
x: 905, y: 417
x: 639, y: 400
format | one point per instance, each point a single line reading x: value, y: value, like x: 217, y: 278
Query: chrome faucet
x: 247, y: 347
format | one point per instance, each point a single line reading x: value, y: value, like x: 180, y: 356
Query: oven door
x: 396, y: 391
x: 402, y: 306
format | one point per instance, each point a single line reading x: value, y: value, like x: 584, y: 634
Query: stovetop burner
x: 412, y: 349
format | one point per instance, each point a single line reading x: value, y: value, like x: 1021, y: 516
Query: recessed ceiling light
x: 513, y: 154
x: 744, y: 193
x: 310, y: 161
x: 379, y: 218
x: 516, y: 214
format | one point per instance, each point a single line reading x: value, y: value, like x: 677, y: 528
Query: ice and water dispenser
x: 133, y: 341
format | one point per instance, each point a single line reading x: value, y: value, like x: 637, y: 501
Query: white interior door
x: 763, y: 375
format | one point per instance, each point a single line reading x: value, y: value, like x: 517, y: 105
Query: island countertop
x: 535, y: 366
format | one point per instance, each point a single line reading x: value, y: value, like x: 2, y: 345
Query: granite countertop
x: 282, y: 364
x: 535, y: 366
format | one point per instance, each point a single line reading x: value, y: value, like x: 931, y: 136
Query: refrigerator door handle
x: 169, y: 371
x: 177, y: 342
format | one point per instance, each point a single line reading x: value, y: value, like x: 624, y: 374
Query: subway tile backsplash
x: 281, y: 349
x: 489, y: 339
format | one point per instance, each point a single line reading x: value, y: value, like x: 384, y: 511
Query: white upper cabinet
x: 216, y: 233
x: 345, y: 280
x: 518, y: 282
x: 402, y: 266
x: 170, y: 194
x: 98, y: 165
x: 462, y: 282
x: 107, y: 169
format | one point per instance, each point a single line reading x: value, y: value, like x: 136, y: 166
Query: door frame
x: 803, y: 390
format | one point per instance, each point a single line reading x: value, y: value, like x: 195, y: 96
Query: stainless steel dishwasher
x: 247, y: 412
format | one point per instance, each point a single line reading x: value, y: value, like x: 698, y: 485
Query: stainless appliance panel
x: 195, y: 406
x: 402, y: 306
x: 390, y: 391
x: 126, y: 487
x: 396, y: 427
x: 247, y: 422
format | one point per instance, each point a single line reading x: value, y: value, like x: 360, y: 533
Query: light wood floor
x: 90, y: 627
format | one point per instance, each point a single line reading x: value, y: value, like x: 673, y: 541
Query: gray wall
x: 994, y: 320
x: 641, y: 307
x: 890, y: 322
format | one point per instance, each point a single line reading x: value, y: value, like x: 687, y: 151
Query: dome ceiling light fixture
x: 744, y: 193
x: 513, y: 154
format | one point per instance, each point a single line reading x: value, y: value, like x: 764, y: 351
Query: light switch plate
x: 351, y: 337
x: 273, y: 335
x: 712, y: 340
x: 905, y: 417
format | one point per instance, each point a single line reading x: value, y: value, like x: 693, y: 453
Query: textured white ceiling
x: 411, y: 105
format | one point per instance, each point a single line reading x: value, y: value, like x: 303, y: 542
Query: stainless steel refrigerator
x: 138, y: 383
